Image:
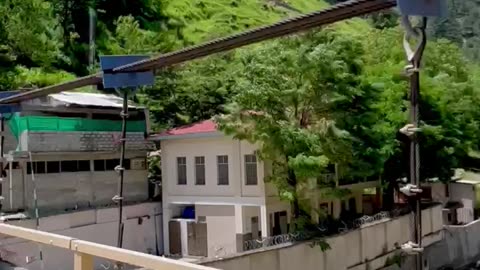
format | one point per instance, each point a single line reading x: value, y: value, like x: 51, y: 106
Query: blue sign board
x: 124, y: 79
x: 424, y: 8
x: 9, y: 108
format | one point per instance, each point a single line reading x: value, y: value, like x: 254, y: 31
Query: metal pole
x: 415, y: 163
x: 413, y: 70
x: 10, y: 183
x: 121, y: 169
x: 2, y: 144
x: 35, y: 205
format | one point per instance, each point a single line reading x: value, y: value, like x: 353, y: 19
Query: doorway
x: 280, y: 223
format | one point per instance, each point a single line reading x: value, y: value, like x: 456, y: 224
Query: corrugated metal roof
x: 89, y: 99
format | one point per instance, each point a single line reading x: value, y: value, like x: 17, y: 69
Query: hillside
x: 462, y: 26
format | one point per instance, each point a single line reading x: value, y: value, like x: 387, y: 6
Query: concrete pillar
x: 239, y: 229
x: 82, y: 261
x: 337, y: 208
x: 167, y: 215
x: 359, y: 202
x: 264, y: 221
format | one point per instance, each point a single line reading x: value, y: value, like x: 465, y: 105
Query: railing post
x: 82, y: 261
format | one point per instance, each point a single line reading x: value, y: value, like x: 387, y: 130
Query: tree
x: 30, y: 33
x: 291, y: 99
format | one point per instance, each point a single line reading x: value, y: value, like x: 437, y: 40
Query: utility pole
x: 422, y: 8
x: 124, y: 84
x: 413, y: 71
x: 413, y: 189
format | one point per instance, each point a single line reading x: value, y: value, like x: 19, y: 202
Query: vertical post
x: 35, y: 205
x: 264, y: 221
x: 2, y: 144
x: 121, y: 169
x: 10, y: 183
x: 415, y: 161
x: 82, y: 261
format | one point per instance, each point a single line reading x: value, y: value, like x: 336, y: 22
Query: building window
x: 222, y: 166
x: 181, y: 170
x: 38, y: 167
x: 109, y: 164
x: 41, y: 167
x: 99, y: 165
x: 251, y: 170
x: 53, y: 166
x: 69, y: 165
x: 199, y: 170
x: 84, y: 165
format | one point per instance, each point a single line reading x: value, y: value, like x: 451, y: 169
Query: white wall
x: 463, y: 193
x: 366, y: 248
x: 459, y: 247
x: 221, y: 238
x: 210, y: 148
x: 99, y: 226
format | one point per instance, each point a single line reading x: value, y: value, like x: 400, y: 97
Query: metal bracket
x: 411, y: 190
x: 119, y: 168
x: 410, y: 130
x: 117, y: 199
x: 411, y: 248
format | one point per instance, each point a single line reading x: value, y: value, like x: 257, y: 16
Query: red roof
x: 206, y: 126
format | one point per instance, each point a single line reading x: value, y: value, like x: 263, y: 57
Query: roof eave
x: 200, y: 135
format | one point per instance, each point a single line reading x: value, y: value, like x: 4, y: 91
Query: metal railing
x: 359, y: 222
x: 276, y: 240
x: 341, y: 226
x: 85, y: 251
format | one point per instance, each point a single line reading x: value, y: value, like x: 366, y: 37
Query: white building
x: 215, y: 197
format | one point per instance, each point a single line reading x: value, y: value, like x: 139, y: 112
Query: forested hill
x: 54, y: 34
x: 462, y: 26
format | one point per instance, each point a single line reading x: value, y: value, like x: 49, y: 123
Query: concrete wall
x: 65, y: 190
x: 99, y: 226
x: 365, y: 248
x: 209, y: 148
x: 464, y: 193
x: 58, y: 191
x: 81, y: 141
x: 461, y: 246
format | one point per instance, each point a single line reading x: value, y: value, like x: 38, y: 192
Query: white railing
x: 85, y: 251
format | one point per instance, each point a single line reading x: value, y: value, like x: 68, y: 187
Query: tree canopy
x: 336, y: 95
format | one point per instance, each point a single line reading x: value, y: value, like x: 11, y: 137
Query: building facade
x: 64, y: 148
x: 69, y: 144
x: 213, y: 189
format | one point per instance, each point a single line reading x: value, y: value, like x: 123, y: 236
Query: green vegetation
x: 335, y: 95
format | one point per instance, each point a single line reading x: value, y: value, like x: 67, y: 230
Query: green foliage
x: 338, y: 95
x: 37, y: 77
x: 395, y: 260
x: 29, y: 32
x: 461, y: 26
x: 321, y: 243
x: 297, y: 98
